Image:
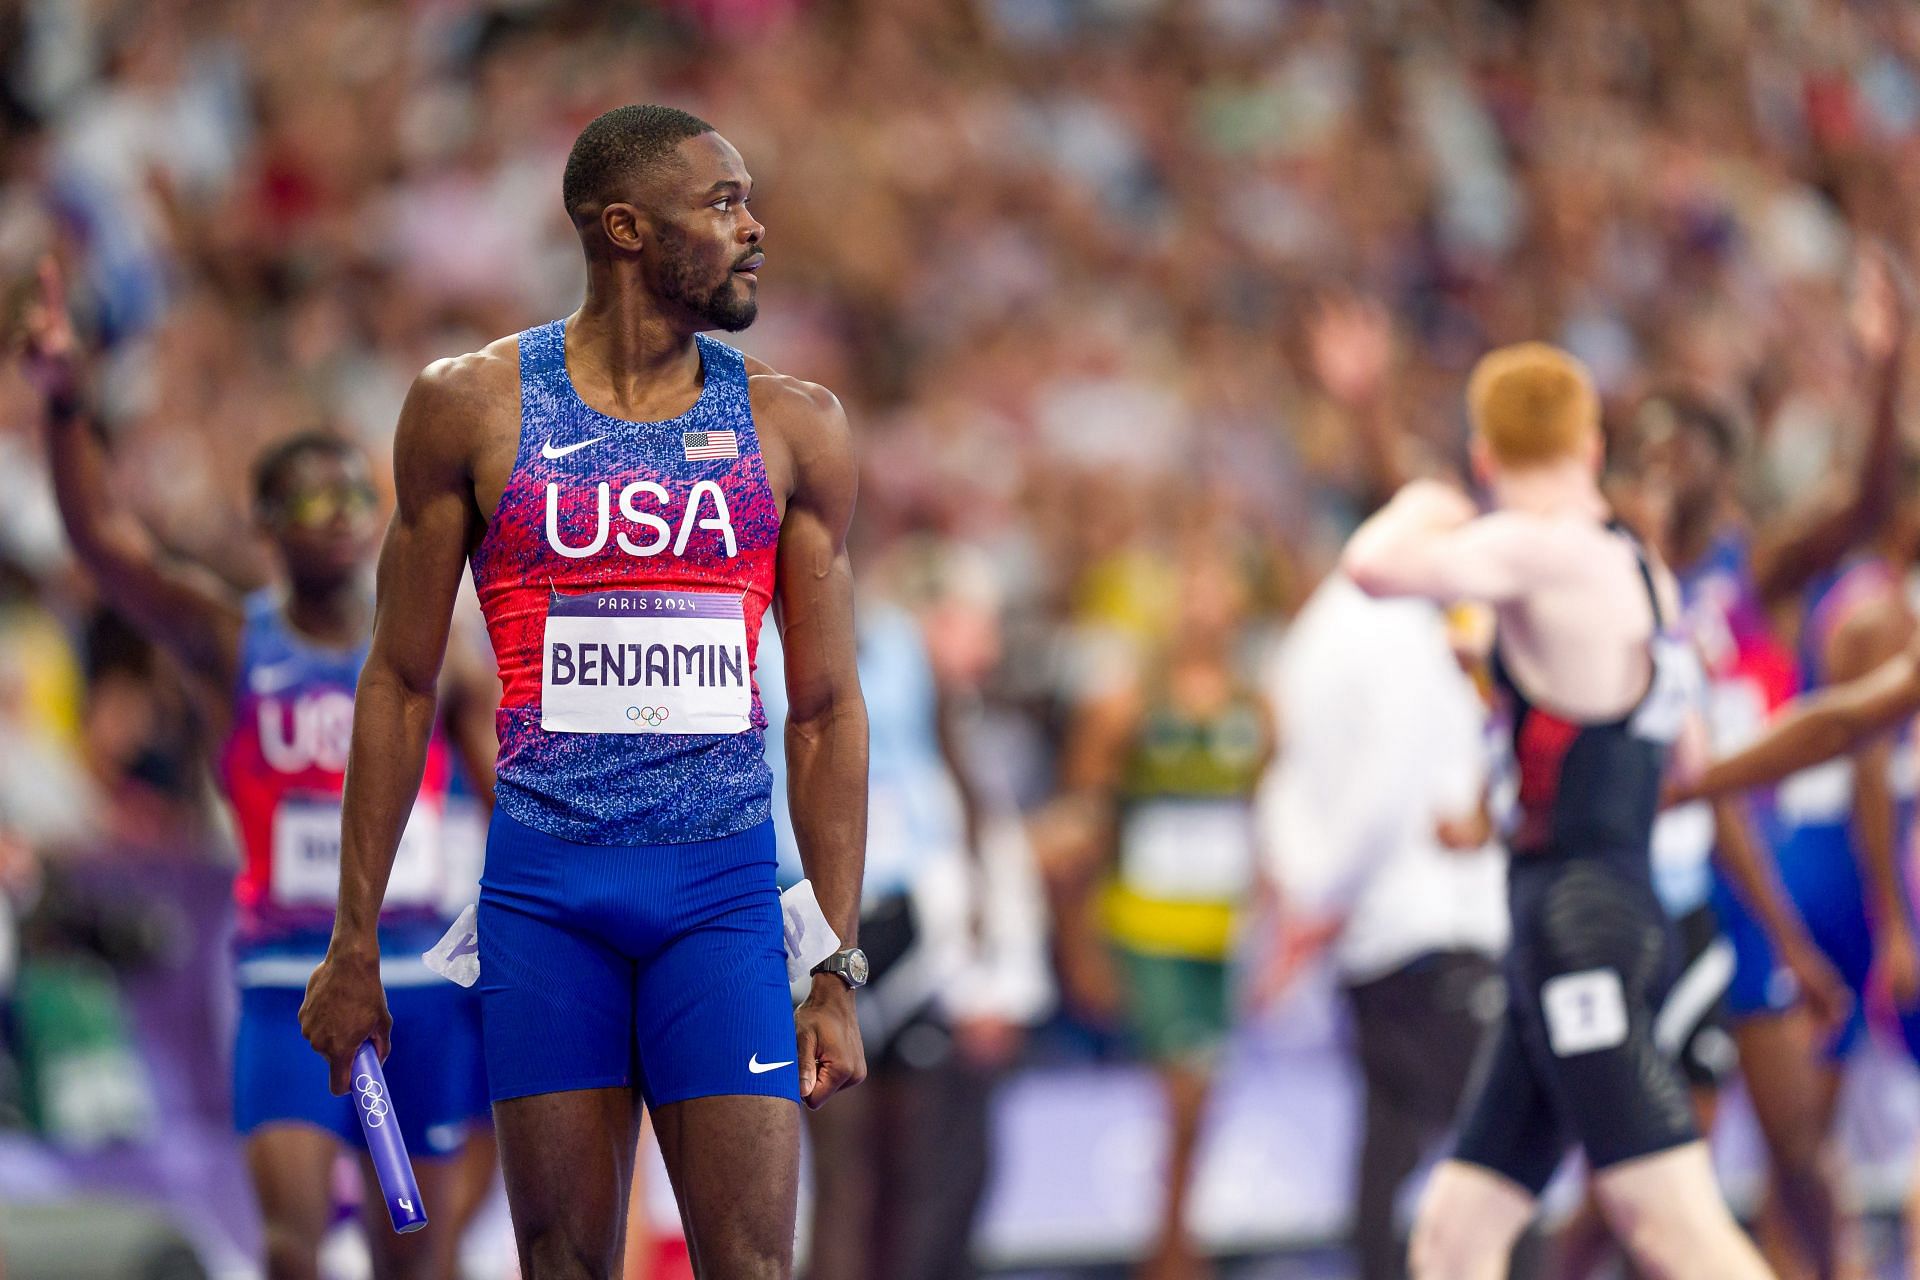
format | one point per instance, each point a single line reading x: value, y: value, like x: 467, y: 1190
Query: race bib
x: 1679, y: 687
x: 1818, y: 796
x: 1188, y: 851
x: 646, y: 662
x: 306, y: 856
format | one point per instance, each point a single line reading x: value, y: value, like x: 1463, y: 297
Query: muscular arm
x: 1816, y: 729
x: 396, y: 704
x: 1427, y: 542
x: 183, y: 608
x: 826, y: 714
x: 1872, y: 634
x: 397, y: 701
x: 1791, y: 550
x: 826, y: 717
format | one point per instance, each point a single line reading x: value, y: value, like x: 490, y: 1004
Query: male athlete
x: 274, y: 674
x: 1598, y: 690
x: 632, y: 496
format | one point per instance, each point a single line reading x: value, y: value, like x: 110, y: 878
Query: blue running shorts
x: 657, y: 967
x: 435, y: 1071
x: 1822, y: 878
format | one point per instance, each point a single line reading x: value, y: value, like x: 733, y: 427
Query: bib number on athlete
x: 646, y: 662
x: 306, y: 856
x: 1188, y: 850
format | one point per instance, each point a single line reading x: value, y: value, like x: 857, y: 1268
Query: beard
x: 685, y: 280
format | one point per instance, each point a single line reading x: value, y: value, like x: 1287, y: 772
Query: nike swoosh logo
x: 550, y: 451
x: 268, y: 680
x: 760, y: 1068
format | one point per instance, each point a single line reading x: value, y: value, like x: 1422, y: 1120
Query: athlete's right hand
x: 1896, y: 966
x: 346, y: 1006
x: 1827, y: 999
x: 51, y: 353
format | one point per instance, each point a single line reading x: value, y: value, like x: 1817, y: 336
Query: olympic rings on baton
x: 652, y: 717
x: 373, y: 1100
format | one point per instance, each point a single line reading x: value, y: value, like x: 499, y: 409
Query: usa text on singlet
x: 624, y: 577
x: 283, y: 767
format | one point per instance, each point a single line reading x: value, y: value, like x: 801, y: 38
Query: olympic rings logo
x: 373, y: 1100
x: 652, y: 717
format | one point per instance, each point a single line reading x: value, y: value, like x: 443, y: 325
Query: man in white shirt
x: 1382, y: 740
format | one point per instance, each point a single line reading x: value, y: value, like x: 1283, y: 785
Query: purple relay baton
x: 388, y: 1148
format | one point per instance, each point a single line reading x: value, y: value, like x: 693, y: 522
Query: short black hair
x: 617, y: 146
x: 271, y: 466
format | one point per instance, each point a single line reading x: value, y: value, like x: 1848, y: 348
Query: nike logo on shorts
x: 551, y: 452
x: 760, y: 1068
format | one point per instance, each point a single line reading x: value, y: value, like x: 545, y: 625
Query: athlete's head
x: 313, y: 497
x: 659, y: 187
x: 1686, y: 447
x: 1533, y: 408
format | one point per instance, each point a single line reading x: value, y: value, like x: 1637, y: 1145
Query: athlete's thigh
x: 435, y: 1073
x: 1594, y: 962
x: 1469, y: 1220
x: 431, y: 1253
x: 291, y: 1166
x: 567, y: 1159
x: 712, y: 1012
x: 1511, y: 1127
x: 1667, y: 1210
x: 735, y: 1165
x: 556, y: 1002
x: 1792, y: 1086
x: 278, y: 1080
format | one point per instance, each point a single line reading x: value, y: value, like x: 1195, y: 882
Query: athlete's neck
x: 336, y: 614
x: 1690, y: 535
x: 618, y: 342
x: 1557, y: 489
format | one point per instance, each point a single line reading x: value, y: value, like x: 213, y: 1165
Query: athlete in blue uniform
x: 1686, y: 453
x: 1847, y: 824
x: 274, y: 675
x: 634, y: 497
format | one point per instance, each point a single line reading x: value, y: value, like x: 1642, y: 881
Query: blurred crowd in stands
x: 1116, y: 292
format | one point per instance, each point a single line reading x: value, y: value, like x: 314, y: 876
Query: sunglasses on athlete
x: 321, y: 507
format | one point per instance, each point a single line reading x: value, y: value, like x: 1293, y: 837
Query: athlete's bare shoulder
x: 803, y: 429
x: 470, y: 386
x: 462, y: 416
x: 792, y: 402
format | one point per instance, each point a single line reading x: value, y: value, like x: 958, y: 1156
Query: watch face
x: 857, y: 967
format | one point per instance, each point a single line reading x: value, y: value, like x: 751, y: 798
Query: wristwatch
x: 848, y: 964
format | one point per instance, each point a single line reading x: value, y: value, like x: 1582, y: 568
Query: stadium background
x: 1096, y: 279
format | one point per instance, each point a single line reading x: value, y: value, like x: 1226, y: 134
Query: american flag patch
x: 702, y: 445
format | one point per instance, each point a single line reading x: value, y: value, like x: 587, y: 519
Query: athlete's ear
x: 1485, y: 470
x: 620, y: 223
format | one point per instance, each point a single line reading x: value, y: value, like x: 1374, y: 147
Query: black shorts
x: 1575, y: 1059
x: 1692, y: 1024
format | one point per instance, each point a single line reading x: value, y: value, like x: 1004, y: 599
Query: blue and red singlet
x: 283, y: 768
x: 624, y: 577
x: 629, y: 926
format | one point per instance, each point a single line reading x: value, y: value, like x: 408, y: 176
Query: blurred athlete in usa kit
x: 633, y: 496
x: 274, y: 674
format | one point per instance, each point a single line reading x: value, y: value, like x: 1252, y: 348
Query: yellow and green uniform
x: 1185, y: 863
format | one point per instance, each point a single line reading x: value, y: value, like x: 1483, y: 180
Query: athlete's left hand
x: 1896, y: 964
x: 828, y: 1034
